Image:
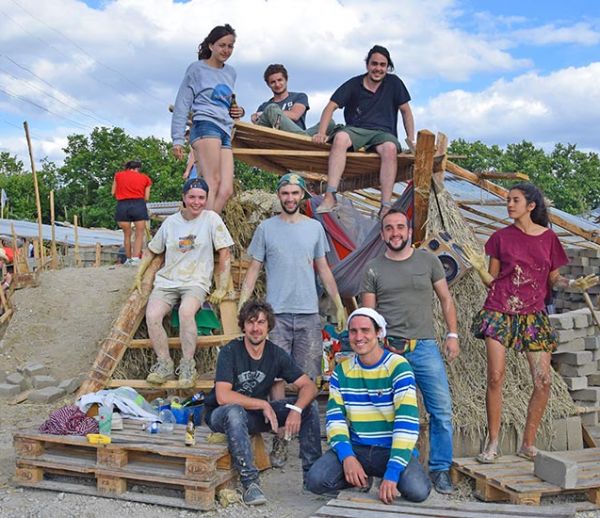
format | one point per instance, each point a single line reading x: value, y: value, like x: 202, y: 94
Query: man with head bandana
x: 400, y: 285
x: 188, y: 240
x: 372, y: 420
x: 292, y: 246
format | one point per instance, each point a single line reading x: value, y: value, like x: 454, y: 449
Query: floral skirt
x: 523, y: 333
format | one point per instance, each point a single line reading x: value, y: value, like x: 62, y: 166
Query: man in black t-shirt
x: 238, y: 406
x: 371, y: 103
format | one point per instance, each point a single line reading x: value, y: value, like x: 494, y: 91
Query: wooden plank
x: 499, y: 175
x: 19, y: 398
x: 169, y: 385
x: 175, y: 342
x: 422, y: 175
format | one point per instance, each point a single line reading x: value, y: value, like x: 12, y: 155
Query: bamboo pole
x: 53, y: 252
x: 77, y: 257
x: 38, y: 203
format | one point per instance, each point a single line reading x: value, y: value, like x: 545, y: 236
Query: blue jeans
x: 327, y: 474
x: 238, y: 424
x: 208, y: 129
x: 432, y: 380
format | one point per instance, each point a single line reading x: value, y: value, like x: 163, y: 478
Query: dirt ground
x: 60, y: 324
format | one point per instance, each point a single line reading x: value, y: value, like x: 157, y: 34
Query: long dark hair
x: 216, y: 34
x: 539, y: 214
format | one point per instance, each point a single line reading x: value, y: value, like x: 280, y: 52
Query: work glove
x: 584, y: 283
x: 478, y: 262
x: 220, y: 292
x: 340, y: 314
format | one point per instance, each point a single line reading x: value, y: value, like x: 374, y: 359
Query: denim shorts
x: 208, y: 129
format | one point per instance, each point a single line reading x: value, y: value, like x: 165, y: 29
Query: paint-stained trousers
x: 238, y: 424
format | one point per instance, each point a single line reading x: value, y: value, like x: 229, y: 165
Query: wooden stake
x: 98, y: 255
x: 16, y: 260
x: 38, y: 204
x: 77, y: 257
x: 53, y: 252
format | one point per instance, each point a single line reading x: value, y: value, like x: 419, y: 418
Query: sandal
x: 527, y: 453
x: 487, y: 457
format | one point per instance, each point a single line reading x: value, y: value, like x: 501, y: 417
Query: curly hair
x: 275, y: 68
x: 252, y: 308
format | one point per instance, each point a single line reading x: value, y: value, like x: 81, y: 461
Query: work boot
x: 187, y: 373
x: 253, y: 495
x: 161, y: 372
x: 441, y: 482
x: 279, y: 452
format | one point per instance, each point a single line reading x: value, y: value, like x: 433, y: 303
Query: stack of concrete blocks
x: 582, y: 261
x: 34, y: 383
x: 577, y: 359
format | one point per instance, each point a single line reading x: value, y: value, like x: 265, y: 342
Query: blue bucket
x: 182, y: 414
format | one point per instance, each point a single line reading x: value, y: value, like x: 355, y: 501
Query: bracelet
x: 452, y: 335
x: 293, y: 407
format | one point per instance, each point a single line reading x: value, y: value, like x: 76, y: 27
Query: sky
x: 499, y: 71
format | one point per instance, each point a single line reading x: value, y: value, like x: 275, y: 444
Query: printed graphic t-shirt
x: 189, y: 249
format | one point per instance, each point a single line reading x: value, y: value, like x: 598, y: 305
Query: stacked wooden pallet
x: 132, y: 466
x: 511, y: 478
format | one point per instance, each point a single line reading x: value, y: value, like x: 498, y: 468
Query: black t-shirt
x: 250, y: 377
x: 368, y: 110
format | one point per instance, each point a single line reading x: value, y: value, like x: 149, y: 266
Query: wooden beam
x: 174, y: 342
x: 38, y: 204
x: 500, y: 191
x: 422, y: 174
x: 483, y: 203
x: 498, y: 175
x: 201, y: 384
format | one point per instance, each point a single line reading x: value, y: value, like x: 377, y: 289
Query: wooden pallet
x: 349, y: 505
x: 131, y: 466
x: 511, y: 478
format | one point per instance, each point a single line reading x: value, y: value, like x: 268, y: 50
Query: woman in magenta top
x: 525, y: 258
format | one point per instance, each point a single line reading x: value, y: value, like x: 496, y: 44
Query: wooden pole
x: 16, y: 261
x: 422, y: 180
x: 38, y: 203
x: 98, y: 255
x: 75, y: 230
x: 53, y: 252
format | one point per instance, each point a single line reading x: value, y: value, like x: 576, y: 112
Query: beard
x: 290, y: 212
x: 397, y: 248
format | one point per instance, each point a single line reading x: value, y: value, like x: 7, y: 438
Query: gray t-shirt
x: 206, y: 91
x: 287, y: 103
x: 288, y: 251
x: 404, y: 292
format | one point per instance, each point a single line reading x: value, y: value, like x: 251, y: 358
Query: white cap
x: 371, y: 313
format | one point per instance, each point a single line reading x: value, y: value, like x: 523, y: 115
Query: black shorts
x: 132, y: 210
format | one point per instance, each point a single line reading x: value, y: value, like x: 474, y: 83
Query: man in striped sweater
x: 372, y: 420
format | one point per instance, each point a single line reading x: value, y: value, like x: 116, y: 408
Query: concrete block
x: 39, y: 382
x: 2, y: 376
x: 574, y: 437
x: 71, y: 385
x: 574, y: 358
x: 17, y: 379
x: 580, y: 320
x: 579, y: 261
x: 562, y: 321
x: 573, y: 371
x: 577, y: 383
x: 559, y: 439
x: 46, y: 395
x: 586, y: 394
x: 8, y: 390
x: 593, y: 380
x: 592, y: 342
x: 554, y: 468
x: 590, y: 270
x: 573, y: 346
x: 35, y: 369
x: 589, y: 252
x: 590, y: 419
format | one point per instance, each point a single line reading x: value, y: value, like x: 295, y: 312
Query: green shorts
x: 368, y: 138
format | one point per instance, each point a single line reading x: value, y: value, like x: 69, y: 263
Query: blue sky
x: 496, y: 71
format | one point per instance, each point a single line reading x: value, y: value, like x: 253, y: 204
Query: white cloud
x: 563, y: 106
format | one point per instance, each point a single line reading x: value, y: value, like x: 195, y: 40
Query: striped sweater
x: 374, y: 406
